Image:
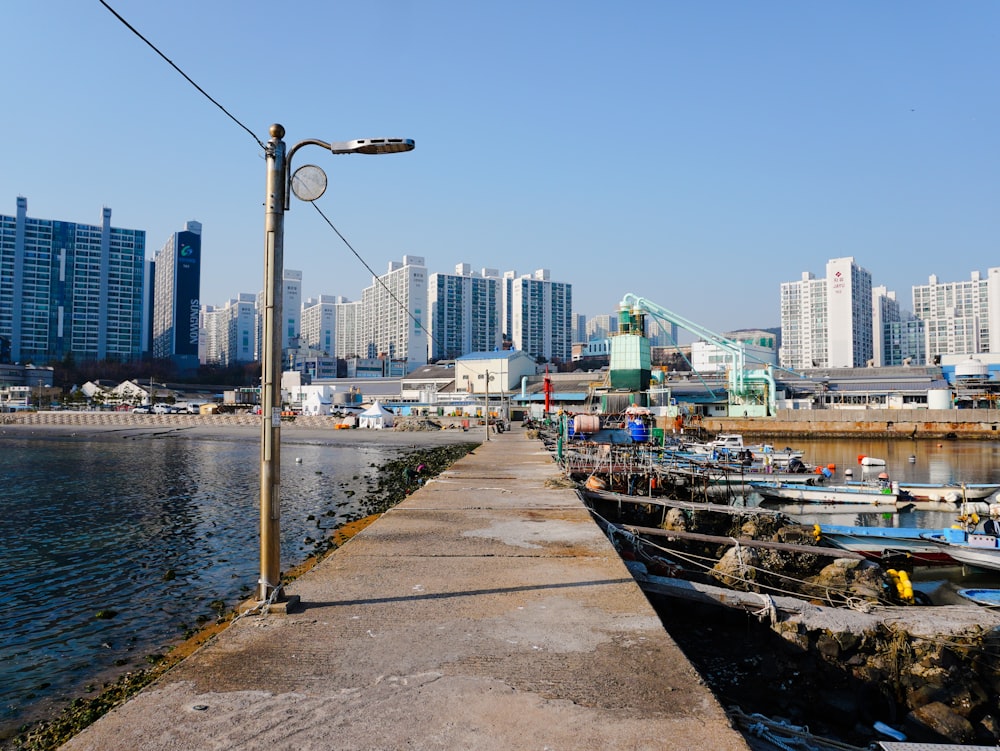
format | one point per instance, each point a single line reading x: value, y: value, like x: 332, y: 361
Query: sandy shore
x: 102, y: 426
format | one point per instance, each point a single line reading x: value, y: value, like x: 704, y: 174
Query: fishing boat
x: 724, y: 480
x: 878, y: 543
x: 731, y: 445
x: 953, y: 492
x: 782, y: 492
x: 969, y: 548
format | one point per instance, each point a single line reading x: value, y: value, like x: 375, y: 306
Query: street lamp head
x: 373, y: 146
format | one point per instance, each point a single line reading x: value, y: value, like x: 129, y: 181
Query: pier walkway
x: 486, y: 612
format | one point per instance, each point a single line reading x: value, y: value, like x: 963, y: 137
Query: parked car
x: 162, y: 409
x: 141, y: 410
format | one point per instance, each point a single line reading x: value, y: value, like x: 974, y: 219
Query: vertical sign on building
x: 187, y: 293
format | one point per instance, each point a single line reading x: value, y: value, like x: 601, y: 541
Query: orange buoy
x: 832, y: 467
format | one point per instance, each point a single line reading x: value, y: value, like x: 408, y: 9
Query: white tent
x: 376, y: 417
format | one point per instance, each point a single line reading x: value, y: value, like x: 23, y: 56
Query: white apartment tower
x: 348, y: 336
x: 291, y: 308
x: 538, y: 315
x: 319, y: 324
x: 827, y: 323
x: 803, y: 323
x: 960, y: 317
x: 208, y: 336
x: 849, y: 313
x: 394, y: 313
x: 464, y: 312
x: 231, y: 331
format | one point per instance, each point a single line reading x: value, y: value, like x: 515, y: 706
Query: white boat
x: 953, y: 492
x: 970, y: 548
x: 878, y: 543
x: 865, y: 495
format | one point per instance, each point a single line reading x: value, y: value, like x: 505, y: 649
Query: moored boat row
x: 728, y: 469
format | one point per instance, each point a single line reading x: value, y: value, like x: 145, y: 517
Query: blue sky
x: 695, y: 153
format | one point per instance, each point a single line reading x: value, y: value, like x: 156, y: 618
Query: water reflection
x: 933, y: 461
x: 153, y: 533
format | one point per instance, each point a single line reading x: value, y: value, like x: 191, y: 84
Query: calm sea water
x: 156, y: 530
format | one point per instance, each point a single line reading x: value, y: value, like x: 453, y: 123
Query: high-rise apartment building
x: 176, y: 304
x: 579, y: 328
x: 885, y: 312
x: 394, y: 311
x: 208, y: 337
x: 407, y: 316
x: 803, y: 323
x: 905, y: 342
x: 960, y: 317
x: 849, y: 313
x: 230, y: 332
x: 319, y: 324
x: 538, y: 315
x: 68, y: 288
x: 348, y: 336
x: 827, y: 323
x: 601, y: 327
x: 464, y: 312
x: 291, y: 308
x: 661, y: 334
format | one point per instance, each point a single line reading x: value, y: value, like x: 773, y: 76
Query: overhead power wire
x: 170, y: 62
x: 260, y: 143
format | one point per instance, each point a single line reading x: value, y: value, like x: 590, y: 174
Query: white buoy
x: 913, y: 459
x: 298, y: 460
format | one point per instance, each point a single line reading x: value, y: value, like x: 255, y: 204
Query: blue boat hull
x: 988, y: 597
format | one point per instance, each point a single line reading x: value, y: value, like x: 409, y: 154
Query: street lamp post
x: 308, y: 183
x: 488, y: 379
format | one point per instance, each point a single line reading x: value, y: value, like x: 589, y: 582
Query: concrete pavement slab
x: 496, y: 617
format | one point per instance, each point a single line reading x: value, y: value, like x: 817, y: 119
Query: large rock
x: 939, y: 719
x: 848, y: 577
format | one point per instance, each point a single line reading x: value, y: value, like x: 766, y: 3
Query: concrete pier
x: 486, y: 612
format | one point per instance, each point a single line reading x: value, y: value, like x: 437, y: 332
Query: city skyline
x: 841, y: 319
x: 691, y: 154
